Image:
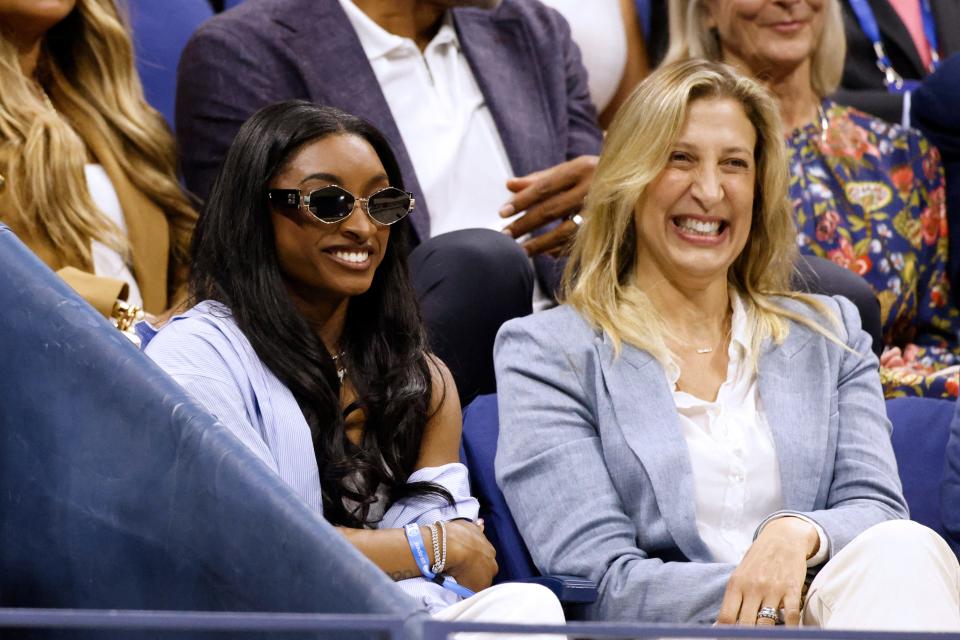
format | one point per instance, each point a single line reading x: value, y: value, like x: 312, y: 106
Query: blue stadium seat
x: 160, y: 32
x: 120, y: 492
x: 921, y: 427
x: 950, y: 488
x: 481, y: 427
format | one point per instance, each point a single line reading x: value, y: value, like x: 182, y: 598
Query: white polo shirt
x: 446, y: 126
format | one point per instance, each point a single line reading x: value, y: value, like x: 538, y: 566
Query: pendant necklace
x: 338, y: 358
x: 706, y: 350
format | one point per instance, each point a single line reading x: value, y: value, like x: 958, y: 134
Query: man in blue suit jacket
x: 532, y: 82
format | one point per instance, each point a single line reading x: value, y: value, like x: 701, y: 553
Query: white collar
x: 377, y: 42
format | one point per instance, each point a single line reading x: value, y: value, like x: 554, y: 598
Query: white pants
x: 508, y: 603
x: 895, y: 576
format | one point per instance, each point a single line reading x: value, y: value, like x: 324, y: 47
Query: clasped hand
x: 546, y: 196
x: 771, y: 574
x: 471, y: 559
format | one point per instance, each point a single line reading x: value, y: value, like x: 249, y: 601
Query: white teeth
x: 356, y: 257
x: 699, y: 227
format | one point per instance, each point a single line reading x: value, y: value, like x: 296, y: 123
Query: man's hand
x: 771, y: 574
x: 545, y: 196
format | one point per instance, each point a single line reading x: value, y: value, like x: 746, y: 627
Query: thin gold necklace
x: 706, y: 350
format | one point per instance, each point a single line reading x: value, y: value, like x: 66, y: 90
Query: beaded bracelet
x: 443, y: 546
x: 435, y: 536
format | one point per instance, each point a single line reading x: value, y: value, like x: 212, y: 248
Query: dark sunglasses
x: 334, y: 204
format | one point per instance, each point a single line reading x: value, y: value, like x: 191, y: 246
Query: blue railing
x: 199, y: 621
x: 442, y: 630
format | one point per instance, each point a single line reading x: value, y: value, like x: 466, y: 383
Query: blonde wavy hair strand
x: 86, y: 64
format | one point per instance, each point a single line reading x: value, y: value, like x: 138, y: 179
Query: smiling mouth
x: 696, y: 227
x: 788, y: 25
x: 355, y: 257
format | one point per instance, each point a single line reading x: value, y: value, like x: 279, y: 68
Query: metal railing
x: 395, y: 628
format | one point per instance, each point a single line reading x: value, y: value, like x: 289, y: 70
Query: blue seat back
x: 119, y: 491
x: 481, y: 427
x: 160, y: 32
x: 950, y: 487
x: 921, y: 427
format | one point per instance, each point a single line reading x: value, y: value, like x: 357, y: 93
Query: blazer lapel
x: 498, y: 51
x: 645, y: 411
x: 337, y: 73
x: 795, y: 400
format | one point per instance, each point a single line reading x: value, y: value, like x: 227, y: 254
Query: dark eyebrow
x: 381, y: 177
x: 329, y: 177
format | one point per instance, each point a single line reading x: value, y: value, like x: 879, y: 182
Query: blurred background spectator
x: 913, y: 36
x: 88, y: 168
x: 611, y: 41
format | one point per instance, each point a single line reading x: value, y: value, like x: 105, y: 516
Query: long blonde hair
x: 599, y: 278
x: 85, y: 66
x: 690, y: 38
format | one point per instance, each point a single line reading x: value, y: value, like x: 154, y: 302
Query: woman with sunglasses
x: 306, y: 342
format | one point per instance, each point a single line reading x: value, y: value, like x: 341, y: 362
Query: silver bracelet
x: 443, y: 556
x: 435, y: 537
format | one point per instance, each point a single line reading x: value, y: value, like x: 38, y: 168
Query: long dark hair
x: 235, y: 263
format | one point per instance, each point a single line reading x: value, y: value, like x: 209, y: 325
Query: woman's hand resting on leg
x: 771, y: 574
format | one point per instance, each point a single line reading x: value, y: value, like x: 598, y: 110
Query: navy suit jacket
x: 263, y: 52
x: 862, y: 85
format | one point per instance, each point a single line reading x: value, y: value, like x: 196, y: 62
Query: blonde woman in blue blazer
x: 703, y: 443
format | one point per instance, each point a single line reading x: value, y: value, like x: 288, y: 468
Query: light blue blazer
x: 598, y: 476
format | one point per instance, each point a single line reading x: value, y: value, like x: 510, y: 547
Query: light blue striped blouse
x: 205, y: 351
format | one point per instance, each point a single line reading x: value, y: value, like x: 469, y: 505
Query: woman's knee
x: 907, y: 542
x: 532, y: 603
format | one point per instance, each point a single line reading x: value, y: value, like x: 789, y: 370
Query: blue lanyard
x: 868, y: 22
x: 930, y: 30
x: 415, y: 540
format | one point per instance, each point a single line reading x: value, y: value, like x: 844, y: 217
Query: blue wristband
x: 415, y: 540
x: 419, y: 551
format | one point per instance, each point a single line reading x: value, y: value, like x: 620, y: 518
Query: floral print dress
x: 869, y: 195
